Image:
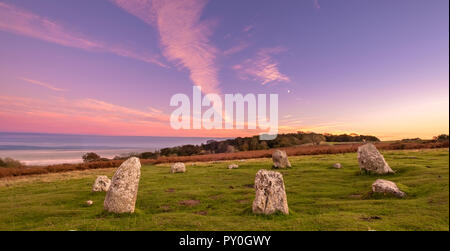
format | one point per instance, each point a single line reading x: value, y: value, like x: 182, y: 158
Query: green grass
x: 319, y: 198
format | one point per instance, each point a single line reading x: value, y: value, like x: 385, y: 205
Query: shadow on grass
x: 376, y: 175
x: 380, y: 196
x: 109, y: 215
x: 276, y: 216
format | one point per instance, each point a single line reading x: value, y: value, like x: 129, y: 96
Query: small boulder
x: 337, y: 165
x: 101, y: 184
x: 270, y: 193
x: 232, y: 166
x: 178, y: 168
x: 122, y: 194
x: 280, y: 159
x: 371, y: 160
x: 89, y: 202
x: 387, y: 187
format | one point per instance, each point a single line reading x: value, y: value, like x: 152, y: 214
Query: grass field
x: 211, y: 197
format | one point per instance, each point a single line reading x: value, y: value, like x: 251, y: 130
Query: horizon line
x: 233, y: 137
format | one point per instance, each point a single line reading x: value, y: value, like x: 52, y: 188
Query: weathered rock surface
x: 337, y: 165
x: 178, y: 168
x: 232, y: 166
x: 270, y: 193
x: 371, y: 160
x: 101, y: 184
x: 280, y: 159
x: 122, y: 194
x: 387, y: 187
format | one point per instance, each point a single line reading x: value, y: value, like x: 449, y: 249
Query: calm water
x: 44, y: 149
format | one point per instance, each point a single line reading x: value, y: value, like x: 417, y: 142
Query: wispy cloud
x: 46, y: 85
x: 184, y: 37
x: 91, y: 116
x: 248, y: 28
x: 241, y: 44
x: 237, y: 48
x: 316, y: 4
x: 152, y: 109
x: 73, y: 107
x: 262, y: 67
x: 57, y: 115
x: 117, y: 111
x: 22, y: 22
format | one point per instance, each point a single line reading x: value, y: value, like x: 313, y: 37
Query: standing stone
x: 101, y: 184
x: 337, y: 165
x: 232, y: 166
x: 122, y: 194
x: 371, y: 160
x: 178, y: 168
x: 387, y: 187
x: 280, y: 159
x: 270, y: 193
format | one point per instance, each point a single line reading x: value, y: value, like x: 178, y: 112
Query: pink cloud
x: 235, y: 49
x: 85, y: 116
x: 25, y: 23
x: 183, y: 36
x: 154, y: 110
x: 91, y: 116
x: 93, y: 108
x: 316, y: 4
x: 262, y: 67
x: 248, y: 28
x: 46, y: 85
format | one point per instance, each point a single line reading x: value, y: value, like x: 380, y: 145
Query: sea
x: 47, y: 149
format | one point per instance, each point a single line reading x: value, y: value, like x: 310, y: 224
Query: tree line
x: 252, y: 143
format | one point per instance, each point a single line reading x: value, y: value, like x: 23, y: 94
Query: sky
x: 110, y: 67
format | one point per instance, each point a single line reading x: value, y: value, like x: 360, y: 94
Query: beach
x: 47, y: 149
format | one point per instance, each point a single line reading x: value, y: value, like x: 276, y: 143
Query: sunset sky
x: 111, y: 66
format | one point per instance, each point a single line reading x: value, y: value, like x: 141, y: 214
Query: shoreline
x: 63, y: 156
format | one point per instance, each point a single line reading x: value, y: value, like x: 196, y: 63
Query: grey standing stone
x: 101, y: 184
x: 178, y: 168
x: 280, y: 159
x: 371, y: 160
x: 387, y: 187
x: 122, y: 194
x: 232, y: 166
x: 337, y: 165
x: 270, y: 193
